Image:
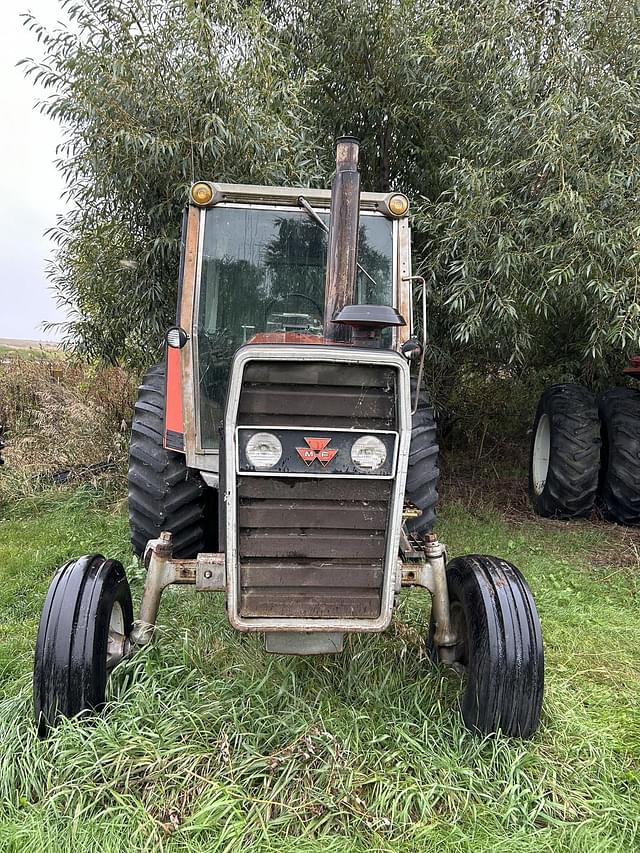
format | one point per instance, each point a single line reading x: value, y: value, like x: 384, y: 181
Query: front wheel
x: 88, y: 603
x: 499, y: 646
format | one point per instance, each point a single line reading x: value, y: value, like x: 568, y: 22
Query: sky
x: 30, y: 187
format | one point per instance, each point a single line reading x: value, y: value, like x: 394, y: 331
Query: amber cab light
x: 202, y: 193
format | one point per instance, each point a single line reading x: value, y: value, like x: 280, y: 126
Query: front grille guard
x: 287, y: 352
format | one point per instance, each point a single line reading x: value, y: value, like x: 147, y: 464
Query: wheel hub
x: 541, y: 451
x: 117, y: 640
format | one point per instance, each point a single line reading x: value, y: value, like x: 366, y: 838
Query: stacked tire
x: 619, y: 493
x: 585, y: 452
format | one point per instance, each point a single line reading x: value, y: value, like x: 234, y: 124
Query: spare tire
x: 421, y: 489
x: 619, y: 494
x: 163, y: 493
x: 564, y: 460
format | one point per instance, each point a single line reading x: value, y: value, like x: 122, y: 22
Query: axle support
x: 206, y: 572
x: 427, y: 568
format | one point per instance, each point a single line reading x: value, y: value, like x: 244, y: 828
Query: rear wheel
x: 499, y: 645
x: 88, y: 600
x: 163, y: 493
x: 565, y: 453
x: 620, y: 471
x: 422, y: 474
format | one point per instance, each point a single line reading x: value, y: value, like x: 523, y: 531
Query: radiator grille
x: 318, y: 394
x: 314, y: 548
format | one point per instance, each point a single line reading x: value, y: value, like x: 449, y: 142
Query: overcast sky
x: 30, y: 187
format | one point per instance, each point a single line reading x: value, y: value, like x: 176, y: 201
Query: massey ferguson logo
x: 317, y: 449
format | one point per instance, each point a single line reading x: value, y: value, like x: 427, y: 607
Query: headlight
x: 263, y: 451
x: 398, y: 204
x: 201, y: 193
x: 368, y: 453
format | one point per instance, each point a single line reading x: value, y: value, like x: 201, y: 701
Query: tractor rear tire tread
x: 163, y: 493
x: 619, y: 495
x: 574, y: 457
x: 422, y: 474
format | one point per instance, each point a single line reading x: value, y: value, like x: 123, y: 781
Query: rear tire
x: 422, y: 474
x: 564, y: 460
x: 86, y: 598
x: 620, y: 470
x: 163, y: 493
x: 501, y: 650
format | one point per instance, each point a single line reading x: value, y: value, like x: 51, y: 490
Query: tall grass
x: 60, y: 414
x: 209, y: 744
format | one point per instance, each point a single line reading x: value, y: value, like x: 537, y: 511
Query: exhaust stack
x: 342, y: 249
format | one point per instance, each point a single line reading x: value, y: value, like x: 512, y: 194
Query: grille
x: 318, y: 394
x: 314, y: 548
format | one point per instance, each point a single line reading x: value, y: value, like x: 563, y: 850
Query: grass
x: 208, y: 744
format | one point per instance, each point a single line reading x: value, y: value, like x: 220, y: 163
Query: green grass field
x: 208, y: 744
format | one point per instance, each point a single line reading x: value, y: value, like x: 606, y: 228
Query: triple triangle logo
x: 316, y: 449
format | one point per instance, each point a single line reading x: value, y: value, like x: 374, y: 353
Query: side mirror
x: 411, y: 349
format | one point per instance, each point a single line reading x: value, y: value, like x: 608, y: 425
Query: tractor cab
x: 254, y: 272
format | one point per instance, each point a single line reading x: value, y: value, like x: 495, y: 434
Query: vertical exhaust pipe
x: 342, y: 248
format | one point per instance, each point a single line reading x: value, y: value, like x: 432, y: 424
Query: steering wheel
x: 304, y: 296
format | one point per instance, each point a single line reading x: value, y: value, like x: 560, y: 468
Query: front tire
x: 564, y: 460
x: 500, y: 646
x: 87, y: 599
x: 620, y: 476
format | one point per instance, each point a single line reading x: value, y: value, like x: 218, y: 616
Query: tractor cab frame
x: 273, y: 228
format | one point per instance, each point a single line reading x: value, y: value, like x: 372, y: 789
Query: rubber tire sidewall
x: 505, y: 669
x: 70, y: 666
x: 574, y: 453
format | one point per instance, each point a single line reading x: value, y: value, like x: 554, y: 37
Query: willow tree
x: 533, y: 241
x: 153, y: 94
x: 513, y: 125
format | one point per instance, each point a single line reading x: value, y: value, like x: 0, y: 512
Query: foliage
x: 153, y: 95
x: 514, y: 127
x: 61, y: 415
x: 534, y: 242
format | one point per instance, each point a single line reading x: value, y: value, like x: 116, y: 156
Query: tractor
x: 284, y: 455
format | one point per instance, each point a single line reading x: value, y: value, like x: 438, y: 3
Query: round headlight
x: 263, y: 451
x: 201, y: 193
x: 398, y: 204
x: 368, y: 453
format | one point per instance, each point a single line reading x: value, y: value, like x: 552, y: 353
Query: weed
x: 210, y: 744
x: 61, y: 416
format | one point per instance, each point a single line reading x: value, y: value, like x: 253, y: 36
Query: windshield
x: 263, y: 270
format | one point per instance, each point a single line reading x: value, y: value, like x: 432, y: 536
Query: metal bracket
x: 210, y: 573
x: 207, y: 572
x: 430, y: 573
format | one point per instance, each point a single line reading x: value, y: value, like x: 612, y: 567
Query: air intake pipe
x: 342, y: 249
